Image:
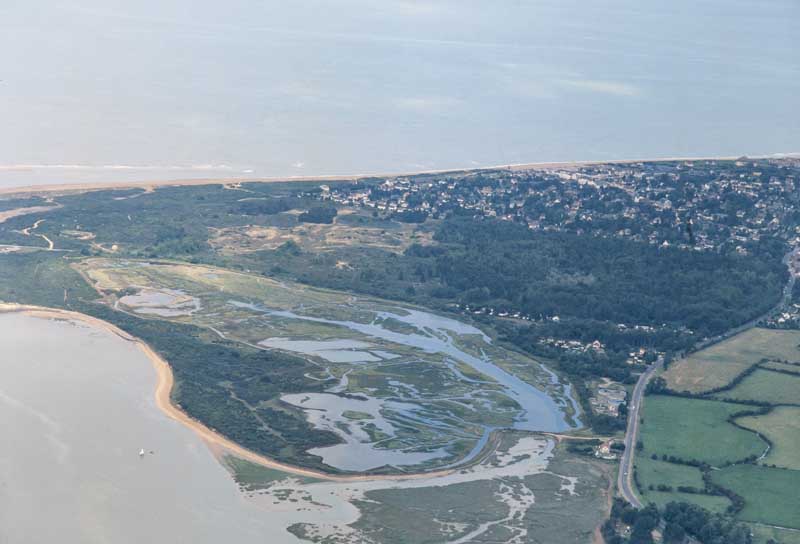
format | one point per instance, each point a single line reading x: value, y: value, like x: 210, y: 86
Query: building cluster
x: 607, y: 398
x: 574, y: 346
x: 701, y: 205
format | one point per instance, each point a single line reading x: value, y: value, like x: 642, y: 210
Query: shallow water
x: 540, y: 411
x: 325, y: 411
x: 334, y: 351
x: 164, y: 303
x: 76, y: 405
x: 435, y: 334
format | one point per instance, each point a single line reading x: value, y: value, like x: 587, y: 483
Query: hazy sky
x: 112, y: 89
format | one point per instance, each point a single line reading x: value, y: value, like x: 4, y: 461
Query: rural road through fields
x: 625, y: 476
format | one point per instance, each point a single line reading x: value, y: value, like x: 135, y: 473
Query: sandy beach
x: 165, y: 381
x: 151, y: 185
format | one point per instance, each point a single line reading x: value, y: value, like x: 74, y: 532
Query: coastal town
x: 745, y: 207
x: 701, y: 205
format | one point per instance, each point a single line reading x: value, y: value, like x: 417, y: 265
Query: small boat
x: 141, y: 452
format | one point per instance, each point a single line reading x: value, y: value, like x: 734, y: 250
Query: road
x: 625, y: 476
x: 789, y: 260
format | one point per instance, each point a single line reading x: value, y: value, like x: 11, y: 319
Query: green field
x: 713, y: 503
x: 696, y: 429
x: 767, y: 386
x: 763, y: 533
x: 771, y: 494
x: 654, y: 472
x: 699, y: 429
x: 717, y: 365
x: 786, y: 367
x: 782, y: 427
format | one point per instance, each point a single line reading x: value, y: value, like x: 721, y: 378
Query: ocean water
x: 108, y: 90
x: 76, y: 406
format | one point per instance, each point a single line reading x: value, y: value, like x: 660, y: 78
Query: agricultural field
x: 713, y: 503
x: 766, y: 386
x: 701, y: 429
x: 655, y: 472
x: 770, y: 494
x: 394, y: 385
x: 717, y: 365
x: 785, y: 367
x: 781, y: 426
x: 763, y: 534
x: 696, y: 429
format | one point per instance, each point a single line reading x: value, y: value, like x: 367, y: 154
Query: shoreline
x: 216, y: 442
x: 153, y: 184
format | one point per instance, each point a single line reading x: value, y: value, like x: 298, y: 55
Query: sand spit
x: 218, y: 443
x: 231, y: 182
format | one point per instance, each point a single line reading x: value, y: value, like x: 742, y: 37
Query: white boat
x: 141, y: 452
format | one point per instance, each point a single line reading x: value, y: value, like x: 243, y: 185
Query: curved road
x: 625, y: 476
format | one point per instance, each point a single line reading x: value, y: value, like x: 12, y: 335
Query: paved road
x: 786, y: 299
x: 625, y: 477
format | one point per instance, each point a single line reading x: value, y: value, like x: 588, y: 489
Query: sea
x: 112, y: 90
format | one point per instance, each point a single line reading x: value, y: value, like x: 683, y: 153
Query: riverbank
x: 219, y: 444
x: 153, y: 184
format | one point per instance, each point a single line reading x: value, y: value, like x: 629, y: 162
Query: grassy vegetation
x: 41, y: 278
x: 653, y: 472
x: 717, y: 365
x: 771, y: 494
x: 781, y: 427
x: 767, y: 386
x: 699, y: 427
x: 251, y: 476
x: 762, y: 534
x: 23, y: 202
x: 696, y: 429
x: 433, y: 514
x: 717, y: 504
x: 386, y: 513
x: 785, y: 367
